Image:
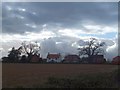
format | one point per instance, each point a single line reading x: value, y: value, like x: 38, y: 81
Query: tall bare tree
x: 92, y: 47
x: 29, y: 48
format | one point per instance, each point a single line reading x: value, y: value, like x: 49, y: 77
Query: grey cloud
x: 68, y: 15
x: 64, y: 47
x: 112, y: 52
x: 81, y: 42
x: 57, y: 16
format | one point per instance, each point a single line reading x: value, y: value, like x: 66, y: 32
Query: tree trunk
x: 29, y: 57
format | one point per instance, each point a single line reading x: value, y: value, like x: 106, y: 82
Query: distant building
x: 35, y: 58
x: 71, y: 59
x: 84, y: 60
x: 54, y: 57
x: 44, y: 60
x: 116, y: 60
x: 98, y: 59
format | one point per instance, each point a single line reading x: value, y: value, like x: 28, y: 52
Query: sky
x: 59, y: 27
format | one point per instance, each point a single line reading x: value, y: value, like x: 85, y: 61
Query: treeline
x: 31, y: 51
x: 23, y: 54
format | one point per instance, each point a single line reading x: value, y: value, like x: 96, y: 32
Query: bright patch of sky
x: 107, y: 36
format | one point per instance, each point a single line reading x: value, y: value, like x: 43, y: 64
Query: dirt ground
x: 30, y: 75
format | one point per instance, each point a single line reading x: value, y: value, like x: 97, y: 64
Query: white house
x: 54, y: 57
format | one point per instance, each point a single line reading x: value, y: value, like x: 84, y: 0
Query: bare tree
x: 29, y: 48
x: 92, y: 47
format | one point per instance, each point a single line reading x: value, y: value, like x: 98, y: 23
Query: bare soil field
x: 31, y: 75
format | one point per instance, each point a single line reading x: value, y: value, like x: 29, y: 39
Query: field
x: 34, y: 75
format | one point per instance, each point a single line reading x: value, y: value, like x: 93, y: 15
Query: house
x: 98, y: 59
x: 116, y: 60
x: 71, y: 59
x: 54, y: 57
x: 84, y: 60
x: 35, y: 58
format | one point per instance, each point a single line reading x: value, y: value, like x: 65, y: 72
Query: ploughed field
x: 32, y: 75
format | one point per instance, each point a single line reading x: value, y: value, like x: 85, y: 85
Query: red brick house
x: 71, y: 59
x: 98, y: 59
x: 116, y: 60
x: 35, y: 58
x: 54, y: 57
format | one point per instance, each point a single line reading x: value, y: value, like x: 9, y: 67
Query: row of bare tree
x: 91, y: 47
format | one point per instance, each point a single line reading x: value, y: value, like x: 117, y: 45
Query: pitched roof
x: 117, y: 57
x: 97, y: 56
x: 53, y: 56
x: 116, y: 60
x: 72, y: 57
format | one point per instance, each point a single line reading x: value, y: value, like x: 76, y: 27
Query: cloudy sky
x: 59, y: 26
